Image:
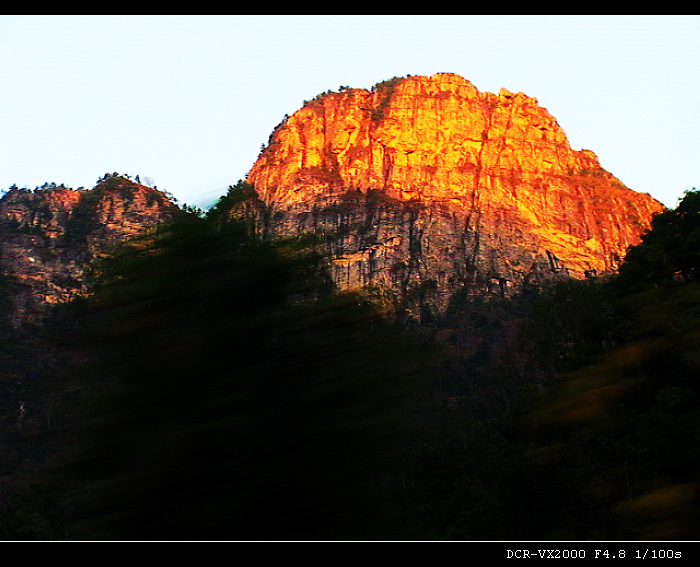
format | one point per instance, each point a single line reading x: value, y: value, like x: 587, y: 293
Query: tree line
x: 217, y: 386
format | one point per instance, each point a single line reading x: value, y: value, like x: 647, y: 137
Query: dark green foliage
x: 83, y: 220
x: 237, y: 194
x: 224, y: 391
x: 670, y: 251
x: 34, y: 513
x: 387, y: 85
x: 629, y: 424
x: 386, y: 88
x: 193, y: 210
x: 460, y: 467
x: 233, y: 398
x: 608, y: 451
x: 570, y: 323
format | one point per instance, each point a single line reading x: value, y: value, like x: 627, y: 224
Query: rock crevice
x: 49, y: 236
x: 477, y: 188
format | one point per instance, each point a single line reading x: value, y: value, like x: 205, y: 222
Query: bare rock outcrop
x: 49, y: 235
x: 430, y: 185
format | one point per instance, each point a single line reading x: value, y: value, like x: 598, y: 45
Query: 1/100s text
x: 595, y: 553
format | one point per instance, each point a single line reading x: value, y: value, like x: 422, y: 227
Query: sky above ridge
x: 188, y: 101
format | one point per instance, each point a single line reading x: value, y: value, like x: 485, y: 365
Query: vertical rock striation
x: 430, y: 186
x: 47, y: 237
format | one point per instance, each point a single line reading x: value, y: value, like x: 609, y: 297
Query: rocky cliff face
x: 47, y: 236
x: 431, y: 186
x: 427, y: 186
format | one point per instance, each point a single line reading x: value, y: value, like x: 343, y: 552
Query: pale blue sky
x: 188, y: 100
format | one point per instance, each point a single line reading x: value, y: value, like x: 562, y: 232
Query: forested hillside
x: 217, y: 386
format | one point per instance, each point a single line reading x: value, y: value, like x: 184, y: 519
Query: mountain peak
x: 49, y: 235
x: 499, y: 167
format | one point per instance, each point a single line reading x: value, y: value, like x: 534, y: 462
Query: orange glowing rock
x: 49, y: 236
x: 493, y: 174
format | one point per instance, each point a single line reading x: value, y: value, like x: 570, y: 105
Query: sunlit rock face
x: 431, y: 185
x: 48, y: 236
